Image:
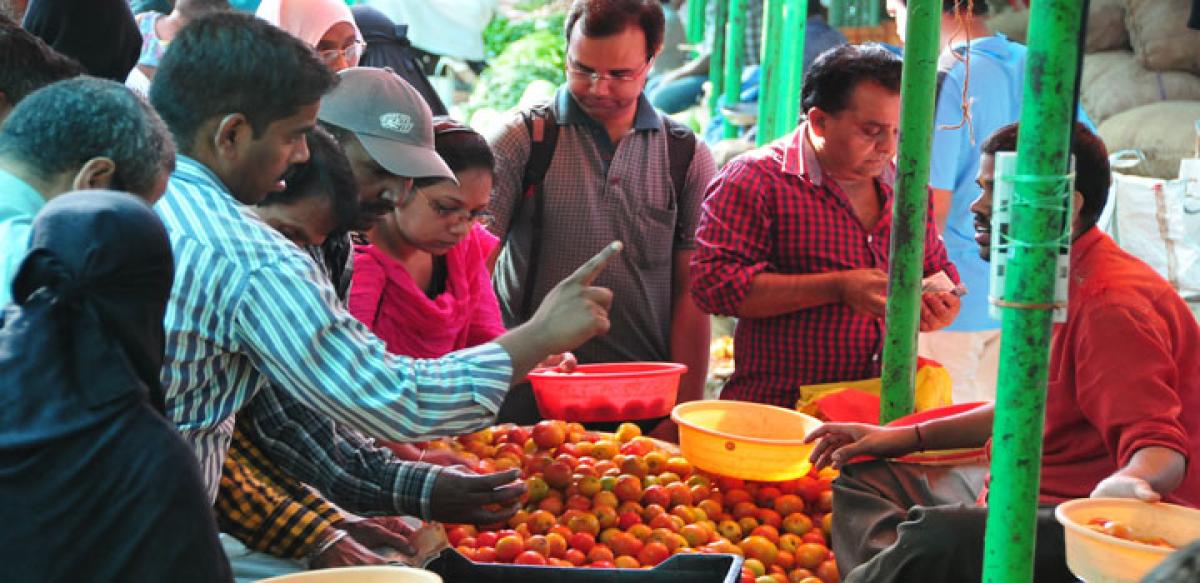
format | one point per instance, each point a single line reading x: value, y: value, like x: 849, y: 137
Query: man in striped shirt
x: 249, y: 308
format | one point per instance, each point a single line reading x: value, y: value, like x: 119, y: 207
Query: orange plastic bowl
x: 621, y: 391
x: 745, y: 440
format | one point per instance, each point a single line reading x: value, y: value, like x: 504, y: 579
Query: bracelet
x: 920, y: 440
x: 337, y: 537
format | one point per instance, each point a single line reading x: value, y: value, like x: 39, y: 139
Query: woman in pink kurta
x: 423, y: 285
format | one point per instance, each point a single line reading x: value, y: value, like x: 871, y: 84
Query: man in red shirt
x: 1122, y: 413
x: 793, y: 238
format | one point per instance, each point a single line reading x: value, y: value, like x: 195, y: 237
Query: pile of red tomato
x: 623, y: 500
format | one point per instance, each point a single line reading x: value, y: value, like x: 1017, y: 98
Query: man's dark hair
x: 28, y: 63
x: 833, y: 76
x: 974, y: 7
x: 461, y: 147
x: 602, y: 18
x: 1092, y: 174
x: 326, y: 174
x: 231, y: 62
x: 63, y: 125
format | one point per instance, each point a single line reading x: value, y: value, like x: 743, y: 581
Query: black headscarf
x: 98, y: 485
x: 101, y: 34
x: 87, y: 337
x: 388, y: 46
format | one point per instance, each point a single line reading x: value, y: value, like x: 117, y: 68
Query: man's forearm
x: 969, y: 429
x: 689, y: 346
x: 1161, y: 467
x: 692, y: 68
x: 525, y: 347
x: 773, y: 294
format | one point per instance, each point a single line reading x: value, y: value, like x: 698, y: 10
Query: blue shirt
x: 248, y: 307
x: 997, y: 78
x: 19, y: 202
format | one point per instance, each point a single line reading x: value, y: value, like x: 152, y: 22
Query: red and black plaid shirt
x: 773, y: 211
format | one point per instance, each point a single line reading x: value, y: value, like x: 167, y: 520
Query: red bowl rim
x: 596, y: 371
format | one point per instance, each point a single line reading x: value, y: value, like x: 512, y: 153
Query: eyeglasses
x: 483, y: 217
x: 352, y: 53
x: 574, y: 70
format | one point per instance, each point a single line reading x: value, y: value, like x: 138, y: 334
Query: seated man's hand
x: 346, y: 553
x: 460, y: 496
x: 841, y: 442
x: 575, y: 311
x: 380, y: 531
x: 1122, y: 486
x: 864, y: 290
x: 938, y: 310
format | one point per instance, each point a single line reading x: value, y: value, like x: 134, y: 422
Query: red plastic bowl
x: 622, y: 391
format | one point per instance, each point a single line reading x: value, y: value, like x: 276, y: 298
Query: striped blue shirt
x: 248, y: 307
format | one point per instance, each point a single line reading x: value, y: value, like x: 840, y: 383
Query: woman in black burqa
x: 101, y: 34
x: 95, y: 483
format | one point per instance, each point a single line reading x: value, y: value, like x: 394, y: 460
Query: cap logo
x: 397, y: 122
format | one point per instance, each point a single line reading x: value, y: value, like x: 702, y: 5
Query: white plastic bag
x: 1159, y: 222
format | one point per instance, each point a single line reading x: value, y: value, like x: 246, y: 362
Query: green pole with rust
x: 735, y: 58
x: 906, y: 253
x: 770, y: 124
x: 1037, y: 212
x: 716, y: 60
x: 795, y: 21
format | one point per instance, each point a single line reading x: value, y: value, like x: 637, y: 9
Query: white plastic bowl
x: 1100, y: 558
x: 373, y: 574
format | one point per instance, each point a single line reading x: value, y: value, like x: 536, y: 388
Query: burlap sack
x: 1114, y: 82
x: 1106, y: 26
x: 1165, y: 132
x: 1160, y: 37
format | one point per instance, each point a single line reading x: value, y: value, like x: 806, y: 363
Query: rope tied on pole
x: 965, y: 22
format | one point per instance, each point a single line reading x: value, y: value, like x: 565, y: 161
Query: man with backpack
x: 596, y: 164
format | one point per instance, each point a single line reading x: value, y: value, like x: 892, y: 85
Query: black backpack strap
x: 681, y: 147
x: 542, y: 127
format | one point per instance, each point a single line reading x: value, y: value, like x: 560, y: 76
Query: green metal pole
x: 1043, y: 150
x: 795, y: 19
x: 695, y: 21
x: 735, y: 57
x: 771, y: 68
x: 716, y: 61
x: 906, y: 255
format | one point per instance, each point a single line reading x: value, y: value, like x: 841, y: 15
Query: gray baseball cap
x: 389, y: 117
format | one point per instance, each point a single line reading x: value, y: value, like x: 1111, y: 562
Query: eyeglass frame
x: 595, y: 77
x: 482, y: 217
x: 330, y: 55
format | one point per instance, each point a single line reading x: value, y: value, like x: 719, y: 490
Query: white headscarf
x: 307, y: 20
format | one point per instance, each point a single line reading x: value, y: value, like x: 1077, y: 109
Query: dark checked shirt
x: 772, y: 210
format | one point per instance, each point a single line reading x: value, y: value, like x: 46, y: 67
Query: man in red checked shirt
x: 793, y: 238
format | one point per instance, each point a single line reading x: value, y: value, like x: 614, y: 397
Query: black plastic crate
x: 684, y: 568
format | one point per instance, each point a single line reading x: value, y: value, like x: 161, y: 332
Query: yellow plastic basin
x: 372, y: 574
x: 1099, y: 558
x: 745, y: 440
